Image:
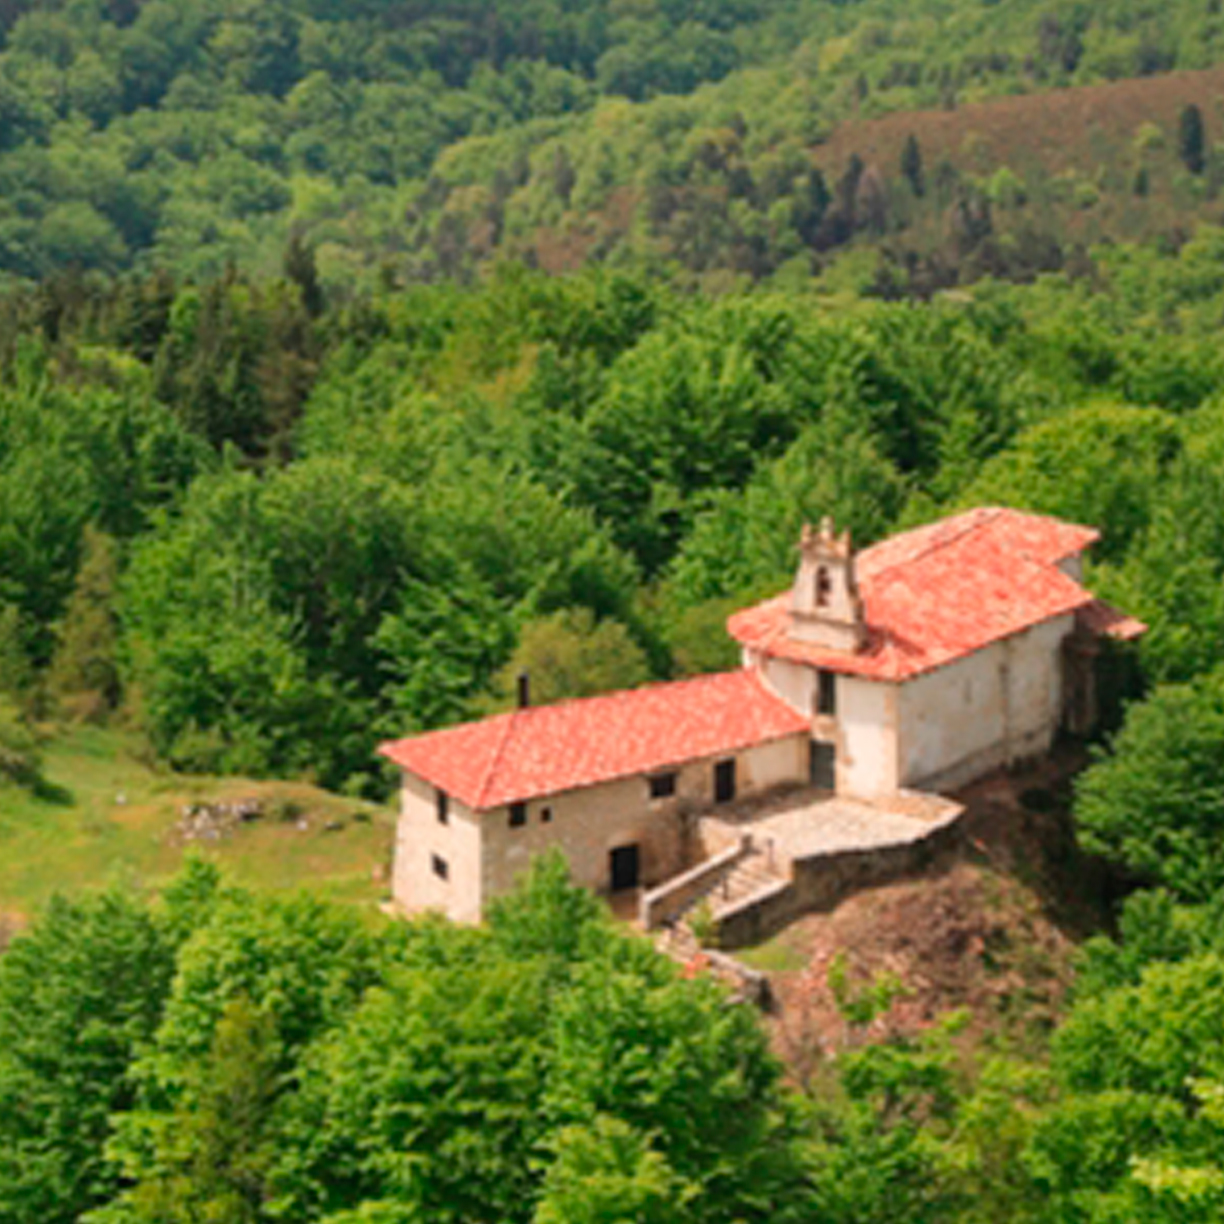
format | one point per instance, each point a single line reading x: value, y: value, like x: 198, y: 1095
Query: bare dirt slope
x: 990, y: 928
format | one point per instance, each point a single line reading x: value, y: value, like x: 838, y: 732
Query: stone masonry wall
x: 820, y: 883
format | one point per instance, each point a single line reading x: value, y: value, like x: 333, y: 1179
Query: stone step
x: 678, y: 942
x: 749, y: 875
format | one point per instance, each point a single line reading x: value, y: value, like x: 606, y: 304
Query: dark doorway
x: 625, y: 868
x: 822, y: 764
x: 724, y: 781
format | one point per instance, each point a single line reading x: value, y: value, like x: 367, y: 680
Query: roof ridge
x: 486, y: 783
x: 650, y: 686
x: 512, y: 717
x: 541, y: 750
x: 946, y: 541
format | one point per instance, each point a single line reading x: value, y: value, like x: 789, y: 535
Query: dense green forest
x: 412, y: 141
x: 306, y: 441
x: 272, y: 531
x: 231, y: 1056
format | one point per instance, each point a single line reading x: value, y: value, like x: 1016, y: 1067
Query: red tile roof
x: 938, y: 593
x: 547, y: 749
x: 1106, y: 621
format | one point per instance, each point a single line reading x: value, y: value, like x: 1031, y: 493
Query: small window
x: 546, y: 815
x: 441, y: 868
x: 663, y: 786
x: 824, y: 587
x: 443, y: 805
x: 826, y: 692
x: 518, y: 815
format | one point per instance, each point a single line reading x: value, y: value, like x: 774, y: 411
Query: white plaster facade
x: 484, y: 852
x: 997, y: 706
x: 459, y: 844
x: 943, y: 728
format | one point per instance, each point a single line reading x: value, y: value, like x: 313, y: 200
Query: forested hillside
x: 356, y: 357
x: 273, y: 531
x: 411, y: 141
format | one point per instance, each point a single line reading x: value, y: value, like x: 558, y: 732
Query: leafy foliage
x: 569, y: 655
x: 1156, y: 802
x: 84, y: 671
x: 79, y: 995
x: 439, y: 476
x: 420, y: 140
x: 298, y: 451
x: 256, y: 1058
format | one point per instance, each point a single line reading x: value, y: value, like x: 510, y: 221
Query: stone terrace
x: 807, y: 824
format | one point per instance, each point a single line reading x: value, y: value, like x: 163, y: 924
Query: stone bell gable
x: 826, y: 607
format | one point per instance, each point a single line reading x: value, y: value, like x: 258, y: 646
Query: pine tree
x: 16, y: 669
x: 84, y: 673
x: 811, y: 204
x: 1192, y: 139
x: 563, y: 175
x: 911, y: 166
x: 300, y: 268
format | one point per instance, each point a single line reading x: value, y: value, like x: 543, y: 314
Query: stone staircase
x: 676, y: 939
x: 747, y: 876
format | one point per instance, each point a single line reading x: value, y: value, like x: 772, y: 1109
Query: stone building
x: 878, y: 679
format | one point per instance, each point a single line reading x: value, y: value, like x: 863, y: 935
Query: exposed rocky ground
x: 990, y: 928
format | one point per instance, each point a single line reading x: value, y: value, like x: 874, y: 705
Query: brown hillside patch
x: 565, y: 249
x: 1074, y: 150
x: 961, y: 939
x: 1054, y: 128
x: 990, y: 929
x: 1087, y: 132
x: 559, y: 251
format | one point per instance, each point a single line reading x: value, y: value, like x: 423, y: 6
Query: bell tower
x: 826, y: 608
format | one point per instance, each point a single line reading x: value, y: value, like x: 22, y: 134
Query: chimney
x: 524, y: 690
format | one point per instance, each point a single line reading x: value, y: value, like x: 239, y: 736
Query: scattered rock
x: 212, y: 821
x: 333, y: 826
x: 286, y: 810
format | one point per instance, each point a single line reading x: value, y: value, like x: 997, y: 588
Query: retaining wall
x: 670, y: 900
x: 819, y: 883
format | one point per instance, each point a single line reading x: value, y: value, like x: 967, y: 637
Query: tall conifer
x: 1192, y: 139
x: 84, y: 672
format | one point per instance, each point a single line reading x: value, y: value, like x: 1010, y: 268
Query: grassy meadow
x: 106, y: 816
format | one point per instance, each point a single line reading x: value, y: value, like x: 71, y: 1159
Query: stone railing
x: 749, y: 984
x: 670, y: 899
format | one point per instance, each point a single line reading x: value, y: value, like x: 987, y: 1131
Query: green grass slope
x: 106, y: 817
